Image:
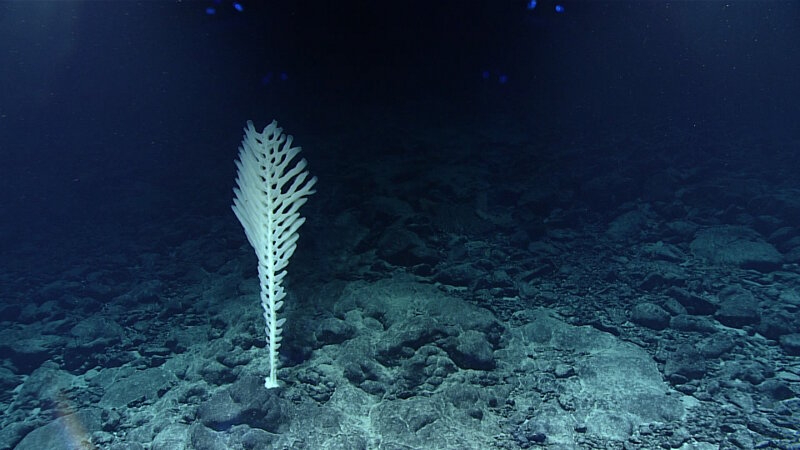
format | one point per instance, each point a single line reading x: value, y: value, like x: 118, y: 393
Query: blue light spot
x: 485, y: 74
x: 532, y: 4
x: 238, y: 6
x: 284, y: 76
x: 502, y: 79
x: 559, y: 8
x: 211, y: 11
x: 266, y: 78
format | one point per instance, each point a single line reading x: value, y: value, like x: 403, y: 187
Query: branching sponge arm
x: 270, y: 190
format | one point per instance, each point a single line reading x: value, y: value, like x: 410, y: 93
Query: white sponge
x: 270, y: 190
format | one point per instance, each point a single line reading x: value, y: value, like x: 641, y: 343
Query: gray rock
x: 650, y: 315
x: 736, y: 246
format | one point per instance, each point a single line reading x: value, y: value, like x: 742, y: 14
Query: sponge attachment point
x: 271, y: 186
